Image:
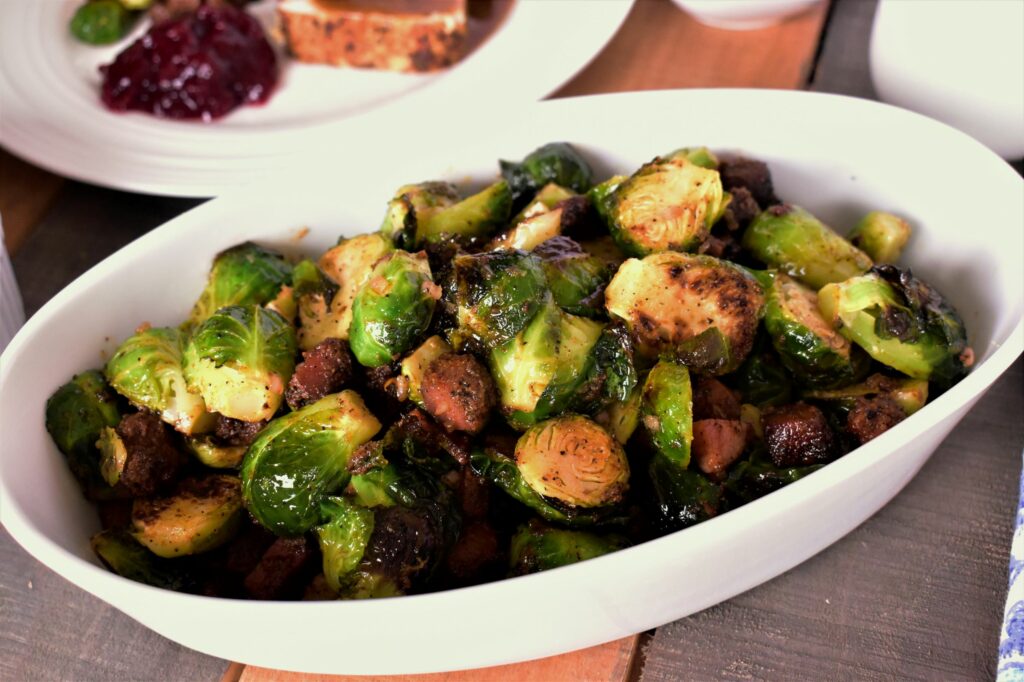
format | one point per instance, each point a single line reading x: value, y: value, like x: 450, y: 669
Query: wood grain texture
x: 660, y: 46
x: 26, y: 192
x: 916, y: 592
x: 609, y: 662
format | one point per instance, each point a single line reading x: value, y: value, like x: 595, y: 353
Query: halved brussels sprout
x: 602, y: 197
x: 757, y: 476
x: 246, y: 274
x: 415, y: 365
x: 414, y: 203
x: 123, y: 554
x: 201, y: 515
x: 301, y: 458
x: 540, y: 221
x: 538, y: 547
x: 576, y: 279
x: 214, y: 455
x: 147, y: 369
x: 612, y: 375
x: 682, y: 497
x: 701, y: 156
x: 239, y: 360
x: 393, y: 308
x: 901, y: 322
x: 555, y: 162
x: 113, y: 455
x: 910, y: 394
x: 792, y: 240
x: 76, y: 415
x: 809, y: 346
x: 495, y: 294
x: 313, y: 293
x: 700, y: 309
x: 621, y: 418
x: 881, y: 235
x: 669, y: 204
x: 539, y: 370
x: 349, y: 264
x: 667, y: 411
x: 343, y: 539
x: 472, y: 218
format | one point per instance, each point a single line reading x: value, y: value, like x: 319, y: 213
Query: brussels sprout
x: 537, y: 547
x: 201, y: 515
x: 605, y: 250
x: 350, y: 264
x: 910, y: 394
x: 472, y: 218
x: 757, y: 476
x: 576, y: 279
x: 669, y: 204
x: 541, y: 220
x: 809, y: 346
x: 901, y: 322
x: 881, y: 235
x: 214, y: 455
x: 415, y: 365
x: 700, y: 309
x: 555, y: 162
x: 76, y: 415
x: 762, y: 379
x: 147, y: 369
x: 602, y: 197
x: 667, y: 411
x: 621, y: 418
x: 302, y: 457
x: 412, y: 204
x: 612, y: 375
x: 375, y: 488
x: 700, y: 156
x: 123, y: 554
x: 239, y: 360
x: 393, y: 308
x: 313, y: 293
x: 284, y: 305
x: 794, y: 241
x: 244, y: 275
x: 101, y: 22
x: 539, y: 370
x: 113, y: 455
x: 496, y: 295
x: 682, y: 497
x: 343, y: 539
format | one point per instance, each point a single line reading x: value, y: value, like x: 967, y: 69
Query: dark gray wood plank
x: 916, y: 592
x: 842, y: 64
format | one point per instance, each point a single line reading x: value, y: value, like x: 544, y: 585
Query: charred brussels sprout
x: 349, y: 264
x: 762, y: 379
x: 538, y: 372
x: 810, y: 347
x: 682, y: 497
x: 76, y: 414
x: 214, y: 455
x: 881, y: 235
x: 537, y: 547
x: 495, y: 294
x: 313, y: 293
x: 415, y: 365
x: 757, y: 476
x: 101, y: 22
x: 472, y: 218
x: 612, y: 375
x: 201, y: 515
x: 240, y: 360
x: 667, y: 411
x: 901, y: 322
x: 540, y: 221
x: 301, y: 458
x: 621, y: 418
x: 123, y: 554
x: 792, y: 240
x: 393, y: 308
x: 909, y: 394
x: 576, y: 279
x: 414, y: 203
x: 343, y: 539
x: 147, y: 369
x: 555, y: 162
x: 669, y: 204
x: 700, y: 309
x: 246, y: 274
x: 701, y: 156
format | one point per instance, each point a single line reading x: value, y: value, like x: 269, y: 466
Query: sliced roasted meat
x: 475, y: 551
x: 717, y: 443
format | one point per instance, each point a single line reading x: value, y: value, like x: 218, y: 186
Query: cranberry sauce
x: 201, y: 65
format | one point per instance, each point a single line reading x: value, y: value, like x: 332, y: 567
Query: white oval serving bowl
x: 838, y: 157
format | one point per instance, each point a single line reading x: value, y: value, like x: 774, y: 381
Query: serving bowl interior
x: 837, y: 157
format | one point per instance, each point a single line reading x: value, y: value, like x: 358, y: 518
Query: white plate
x: 834, y: 155
x: 52, y: 114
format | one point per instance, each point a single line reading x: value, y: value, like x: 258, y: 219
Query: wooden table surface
x: 915, y: 592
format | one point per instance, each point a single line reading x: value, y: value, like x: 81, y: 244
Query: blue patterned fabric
x: 1011, y: 641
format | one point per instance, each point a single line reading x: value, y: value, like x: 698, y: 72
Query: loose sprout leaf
x: 537, y: 547
x: 246, y: 274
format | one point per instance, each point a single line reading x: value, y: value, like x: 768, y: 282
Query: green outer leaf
x: 881, y: 235
x: 602, y: 197
x: 302, y: 457
x: 101, y: 22
x: 250, y: 337
x: 124, y: 555
x: 536, y: 547
x: 556, y: 162
x: 683, y: 497
x: 413, y: 203
x: 343, y: 538
x: 612, y: 376
x: 392, y: 310
x: 667, y: 411
x: 574, y: 277
x: 792, y: 240
x: 246, y: 274
x: 756, y: 477
x: 762, y: 379
x: 309, y: 280
x: 474, y: 217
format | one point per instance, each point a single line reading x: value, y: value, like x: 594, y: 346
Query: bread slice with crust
x: 396, y: 35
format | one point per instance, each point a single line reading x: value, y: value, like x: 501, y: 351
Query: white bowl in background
x: 839, y: 157
x: 743, y: 15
